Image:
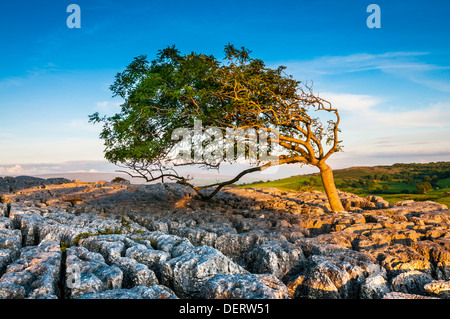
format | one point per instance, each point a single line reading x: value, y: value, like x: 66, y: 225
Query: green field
x: 289, y: 184
x: 434, y: 195
x: 389, y: 182
x: 444, y: 183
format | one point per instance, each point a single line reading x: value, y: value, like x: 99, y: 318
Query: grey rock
x: 374, y: 287
x: 248, y: 224
x: 183, y: 248
x: 5, y: 223
x: 402, y: 295
x: 135, y: 274
x: 5, y: 259
x: 9, y: 290
x: 3, y: 207
x: 59, y: 232
x: 58, y: 180
x: 219, y: 228
x: 334, y: 276
x: 245, y: 286
x: 153, y: 292
x: 30, y: 225
x: 88, y: 273
x: 111, y: 247
x: 292, y: 236
x: 159, y: 226
x: 187, y: 273
x: 313, y: 246
x: 169, y: 243
x: 34, y: 275
x: 37, y: 226
x: 29, y: 180
x: 236, y: 246
x: 196, y: 236
x: 149, y: 257
x: 275, y: 257
x: 11, y: 239
x: 411, y: 282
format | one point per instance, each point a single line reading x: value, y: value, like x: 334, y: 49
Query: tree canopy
x: 177, y: 91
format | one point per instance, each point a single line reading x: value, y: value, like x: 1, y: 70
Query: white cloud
x: 369, y: 112
x: 372, y: 131
x: 406, y: 65
x: 351, y: 102
x: 99, y: 166
x: 36, y: 150
x: 12, y: 170
x: 359, y: 62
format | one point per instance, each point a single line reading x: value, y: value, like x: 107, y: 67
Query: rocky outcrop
x: 188, y: 273
x: 34, y: 275
x: 87, y: 272
x: 278, y: 258
x: 154, y: 292
x: 108, y: 241
x: 438, y: 288
x: 244, y: 286
x: 335, y: 275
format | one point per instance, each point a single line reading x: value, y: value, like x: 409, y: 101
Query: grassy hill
x: 393, y: 183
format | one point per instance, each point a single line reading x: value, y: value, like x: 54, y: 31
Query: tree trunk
x: 330, y: 188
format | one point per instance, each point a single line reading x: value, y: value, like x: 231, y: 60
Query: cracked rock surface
x: 66, y: 240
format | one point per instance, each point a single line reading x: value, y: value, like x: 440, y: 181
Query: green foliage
x: 159, y: 97
x: 120, y: 180
x: 423, y: 187
x: 174, y: 90
x: 426, y: 178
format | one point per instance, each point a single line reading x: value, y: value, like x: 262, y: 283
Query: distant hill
x: 359, y: 172
x: 91, y: 177
x: 398, y: 170
x: 200, y: 177
x: 395, y: 182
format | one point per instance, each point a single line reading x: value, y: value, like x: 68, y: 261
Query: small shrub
x: 120, y: 180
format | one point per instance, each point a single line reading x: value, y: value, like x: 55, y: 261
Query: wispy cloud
x: 55, y: 168
x: 371, y: 132
x: 11, y: 81
x: 367, y: 109
x: 377, y: 127
x: 11, y: 170
x: 34, y: 72
x: 407, y: 65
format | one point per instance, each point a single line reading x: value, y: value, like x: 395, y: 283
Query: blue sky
x: 391, y: 84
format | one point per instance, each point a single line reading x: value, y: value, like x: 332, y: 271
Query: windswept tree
x: 239, y: 94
